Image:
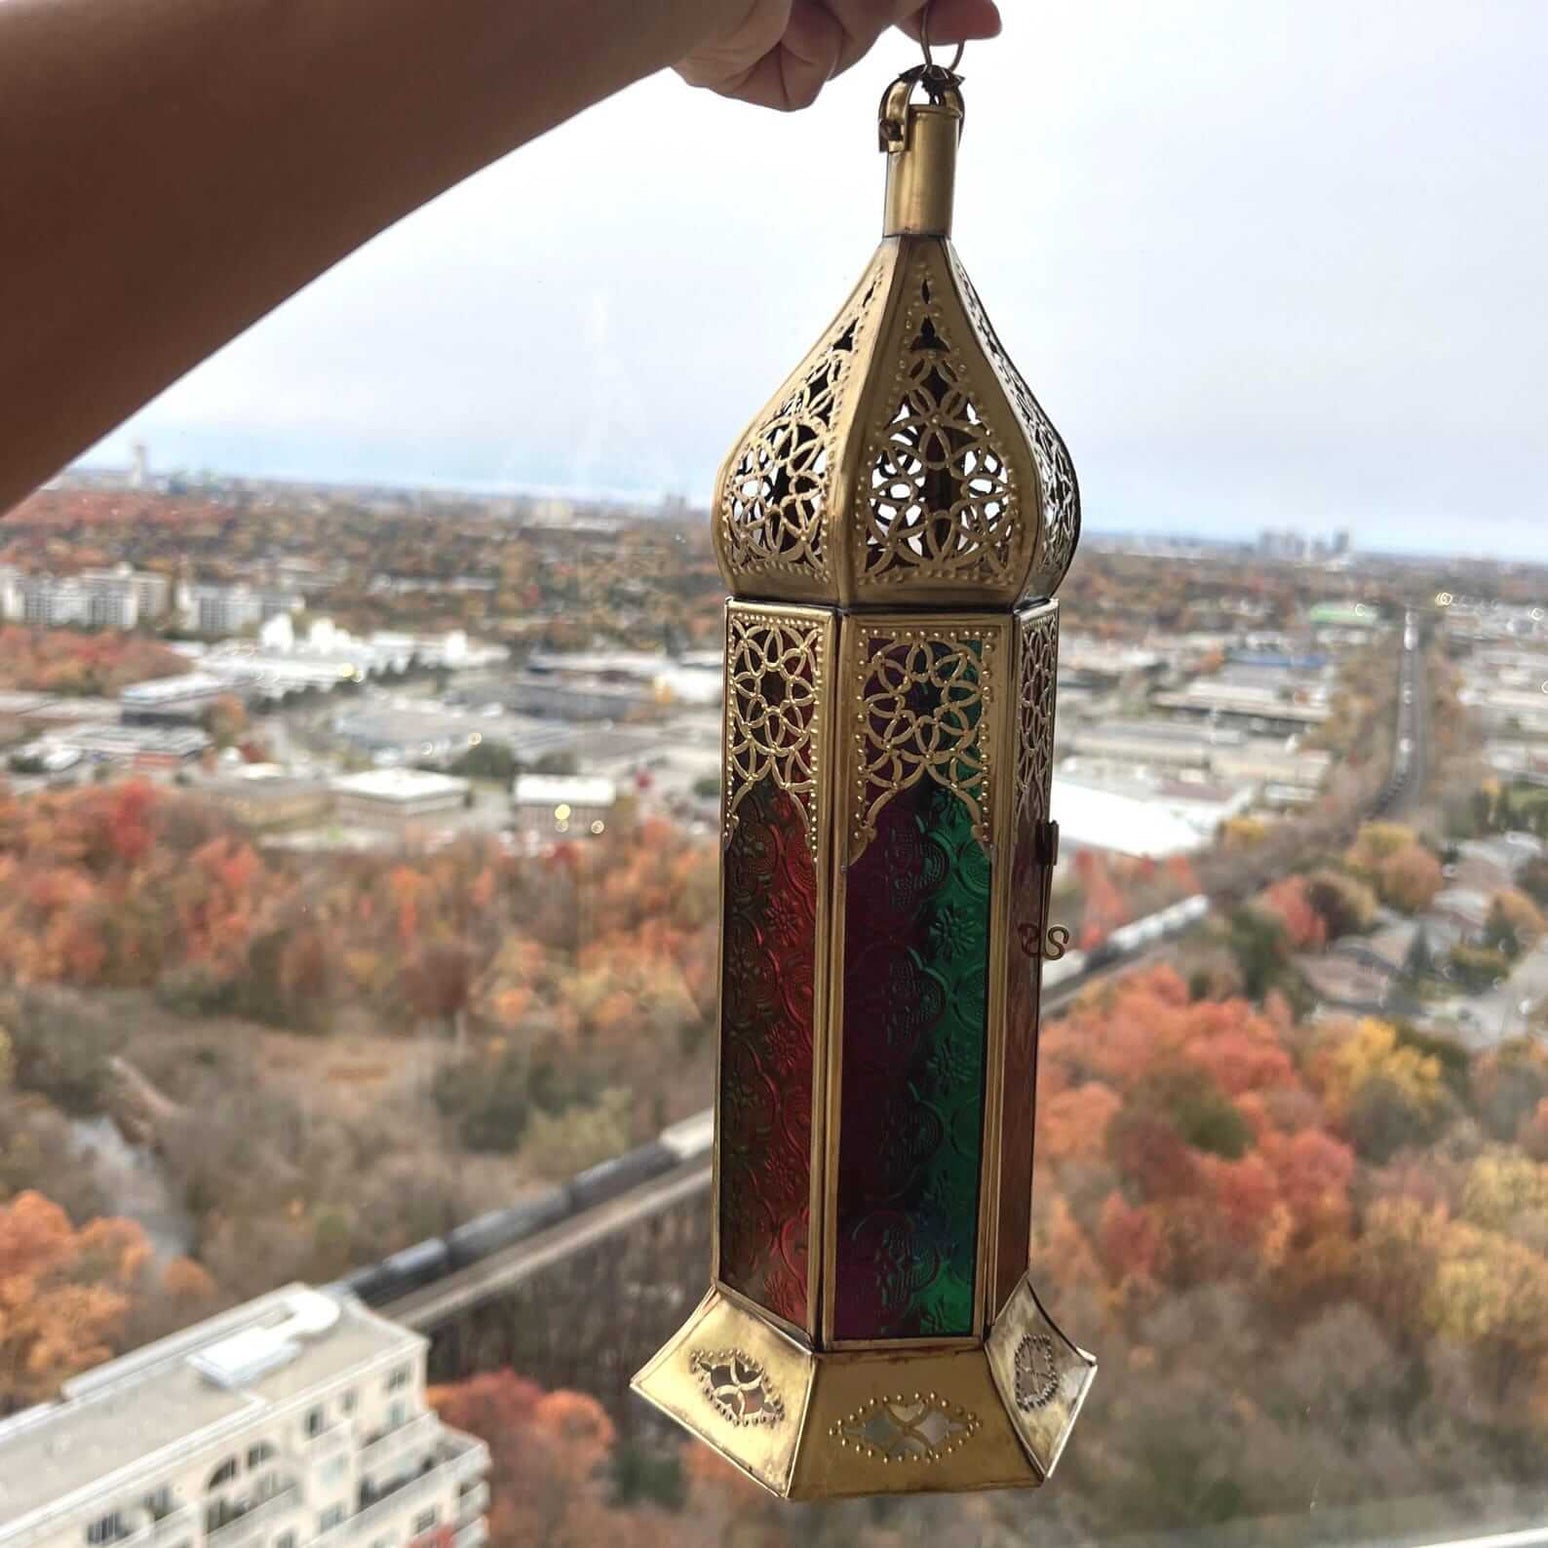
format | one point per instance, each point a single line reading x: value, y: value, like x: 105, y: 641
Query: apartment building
x: 296, y: 1421
x: 119, y: 598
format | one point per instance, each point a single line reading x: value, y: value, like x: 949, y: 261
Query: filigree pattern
x: 774, y: 497
x: 923, y: 694
x: 906, y: 1427
x: 774, y: 672
x: 1036, y: 1372
x: 737, y: 1386
x: 943, y: 503
x: 1055, y: 470
x: 1035, y: 714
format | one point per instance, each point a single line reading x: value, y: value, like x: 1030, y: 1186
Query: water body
x: 135, y: 1186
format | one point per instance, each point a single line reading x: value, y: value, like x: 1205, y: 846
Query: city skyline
x: 1248, y: 261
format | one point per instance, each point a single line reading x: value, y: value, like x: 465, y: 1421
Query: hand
x: 781, y: 53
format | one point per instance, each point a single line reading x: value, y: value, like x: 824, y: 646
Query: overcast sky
x: 1265, y: 264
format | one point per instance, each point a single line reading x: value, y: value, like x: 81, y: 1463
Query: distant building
x: 225, y: 610
x: 390, y: 797
x: 171, y: 700
x: 120, y: 598
x: 147, y: 748
x: 296, y: 1421
x: 265, y: 797
x: 1142, y: 818
x: 558, y: 806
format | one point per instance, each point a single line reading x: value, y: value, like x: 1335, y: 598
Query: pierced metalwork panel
x: 943, y: 504
x: 922, y: 695
x: 775, y: 665
x: 738, y: 1386
x: 906, y: 1427
x: 1041, y: 1376
x: 1060, y: 491
x: 776, y: 487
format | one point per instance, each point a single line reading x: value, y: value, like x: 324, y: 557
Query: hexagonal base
x: 899, y: 1420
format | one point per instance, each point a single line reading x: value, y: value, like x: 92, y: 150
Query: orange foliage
x: 62, y: 661
x: 64, y: 1294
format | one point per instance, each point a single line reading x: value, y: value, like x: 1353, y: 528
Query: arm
x: 170, y: 170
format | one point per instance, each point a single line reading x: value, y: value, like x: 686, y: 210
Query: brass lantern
x: 892, y: 527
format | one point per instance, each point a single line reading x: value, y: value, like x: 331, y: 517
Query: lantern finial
x: 892, y: 527
x: 921, y: 146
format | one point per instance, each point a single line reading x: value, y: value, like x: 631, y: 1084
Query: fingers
x: 788, y: 50
x: 956, y: 21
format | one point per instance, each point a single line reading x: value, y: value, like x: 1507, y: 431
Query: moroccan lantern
x: 893, y: 527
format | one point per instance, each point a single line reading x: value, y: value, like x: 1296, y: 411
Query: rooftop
x: 399, y: 784
x: 176, y: 1394
x: 554, y: 789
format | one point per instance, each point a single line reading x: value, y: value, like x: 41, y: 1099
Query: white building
x: 120, y: 598
x: 393, y: 796
x: 296, y: 1421
x: 555, y: 806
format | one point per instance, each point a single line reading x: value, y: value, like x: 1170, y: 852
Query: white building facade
x: 296, y: 1421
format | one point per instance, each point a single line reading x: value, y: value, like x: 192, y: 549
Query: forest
x: 1311, y: 1251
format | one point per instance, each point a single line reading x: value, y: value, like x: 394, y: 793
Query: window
x: 399, y: 1378
x: 330, y: 1518
x: 107, y: 1529
x: 314, y: 1421
x: 223, y: 1474
x: 425, y: 1520
x: 335, y: 1470
x: 347, y: 1403
x: 285, y: 1540
x: 159, y: 1503
x: 259, y: 1454
x: 397, y: 1414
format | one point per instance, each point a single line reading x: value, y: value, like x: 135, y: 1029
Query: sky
x: 1272, y: 264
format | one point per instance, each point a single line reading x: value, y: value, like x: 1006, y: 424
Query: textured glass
x: 1027, y: 926
x: 769, y: 945
x: 915, y: 976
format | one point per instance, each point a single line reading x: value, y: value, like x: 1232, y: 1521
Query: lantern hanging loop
x: 924, y: 43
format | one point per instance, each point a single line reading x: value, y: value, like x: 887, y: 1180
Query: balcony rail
x: 388, y: 1446
x: 473, y: 1502
x: 473, y: 1535
x: 240, y: 1528
x: 459, y: 1457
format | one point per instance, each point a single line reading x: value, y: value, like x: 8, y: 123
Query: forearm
x: 172, y: 169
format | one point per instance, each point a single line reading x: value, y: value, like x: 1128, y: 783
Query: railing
x: 473, y: 1535
x: 473, y: 1502
x: 177, y: 1526
x: 469, y: 1458
x: 421, y: 1431
x: 240, y: 1528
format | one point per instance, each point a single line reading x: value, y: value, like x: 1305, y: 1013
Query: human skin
x: 171, y: 170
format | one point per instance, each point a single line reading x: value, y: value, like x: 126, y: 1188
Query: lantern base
x: 900, y: 1420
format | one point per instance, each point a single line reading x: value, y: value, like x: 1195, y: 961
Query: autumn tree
x: 64, y: 1294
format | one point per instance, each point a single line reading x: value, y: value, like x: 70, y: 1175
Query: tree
x: 1409, y: 879
x: 1346, y: 904
x: 64, y: 1294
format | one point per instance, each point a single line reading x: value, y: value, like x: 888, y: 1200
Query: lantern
x: 892, y: 527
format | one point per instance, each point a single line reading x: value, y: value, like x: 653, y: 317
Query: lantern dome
x: 905, y: 462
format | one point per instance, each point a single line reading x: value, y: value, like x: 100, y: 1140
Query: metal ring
x: 924, y: 43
